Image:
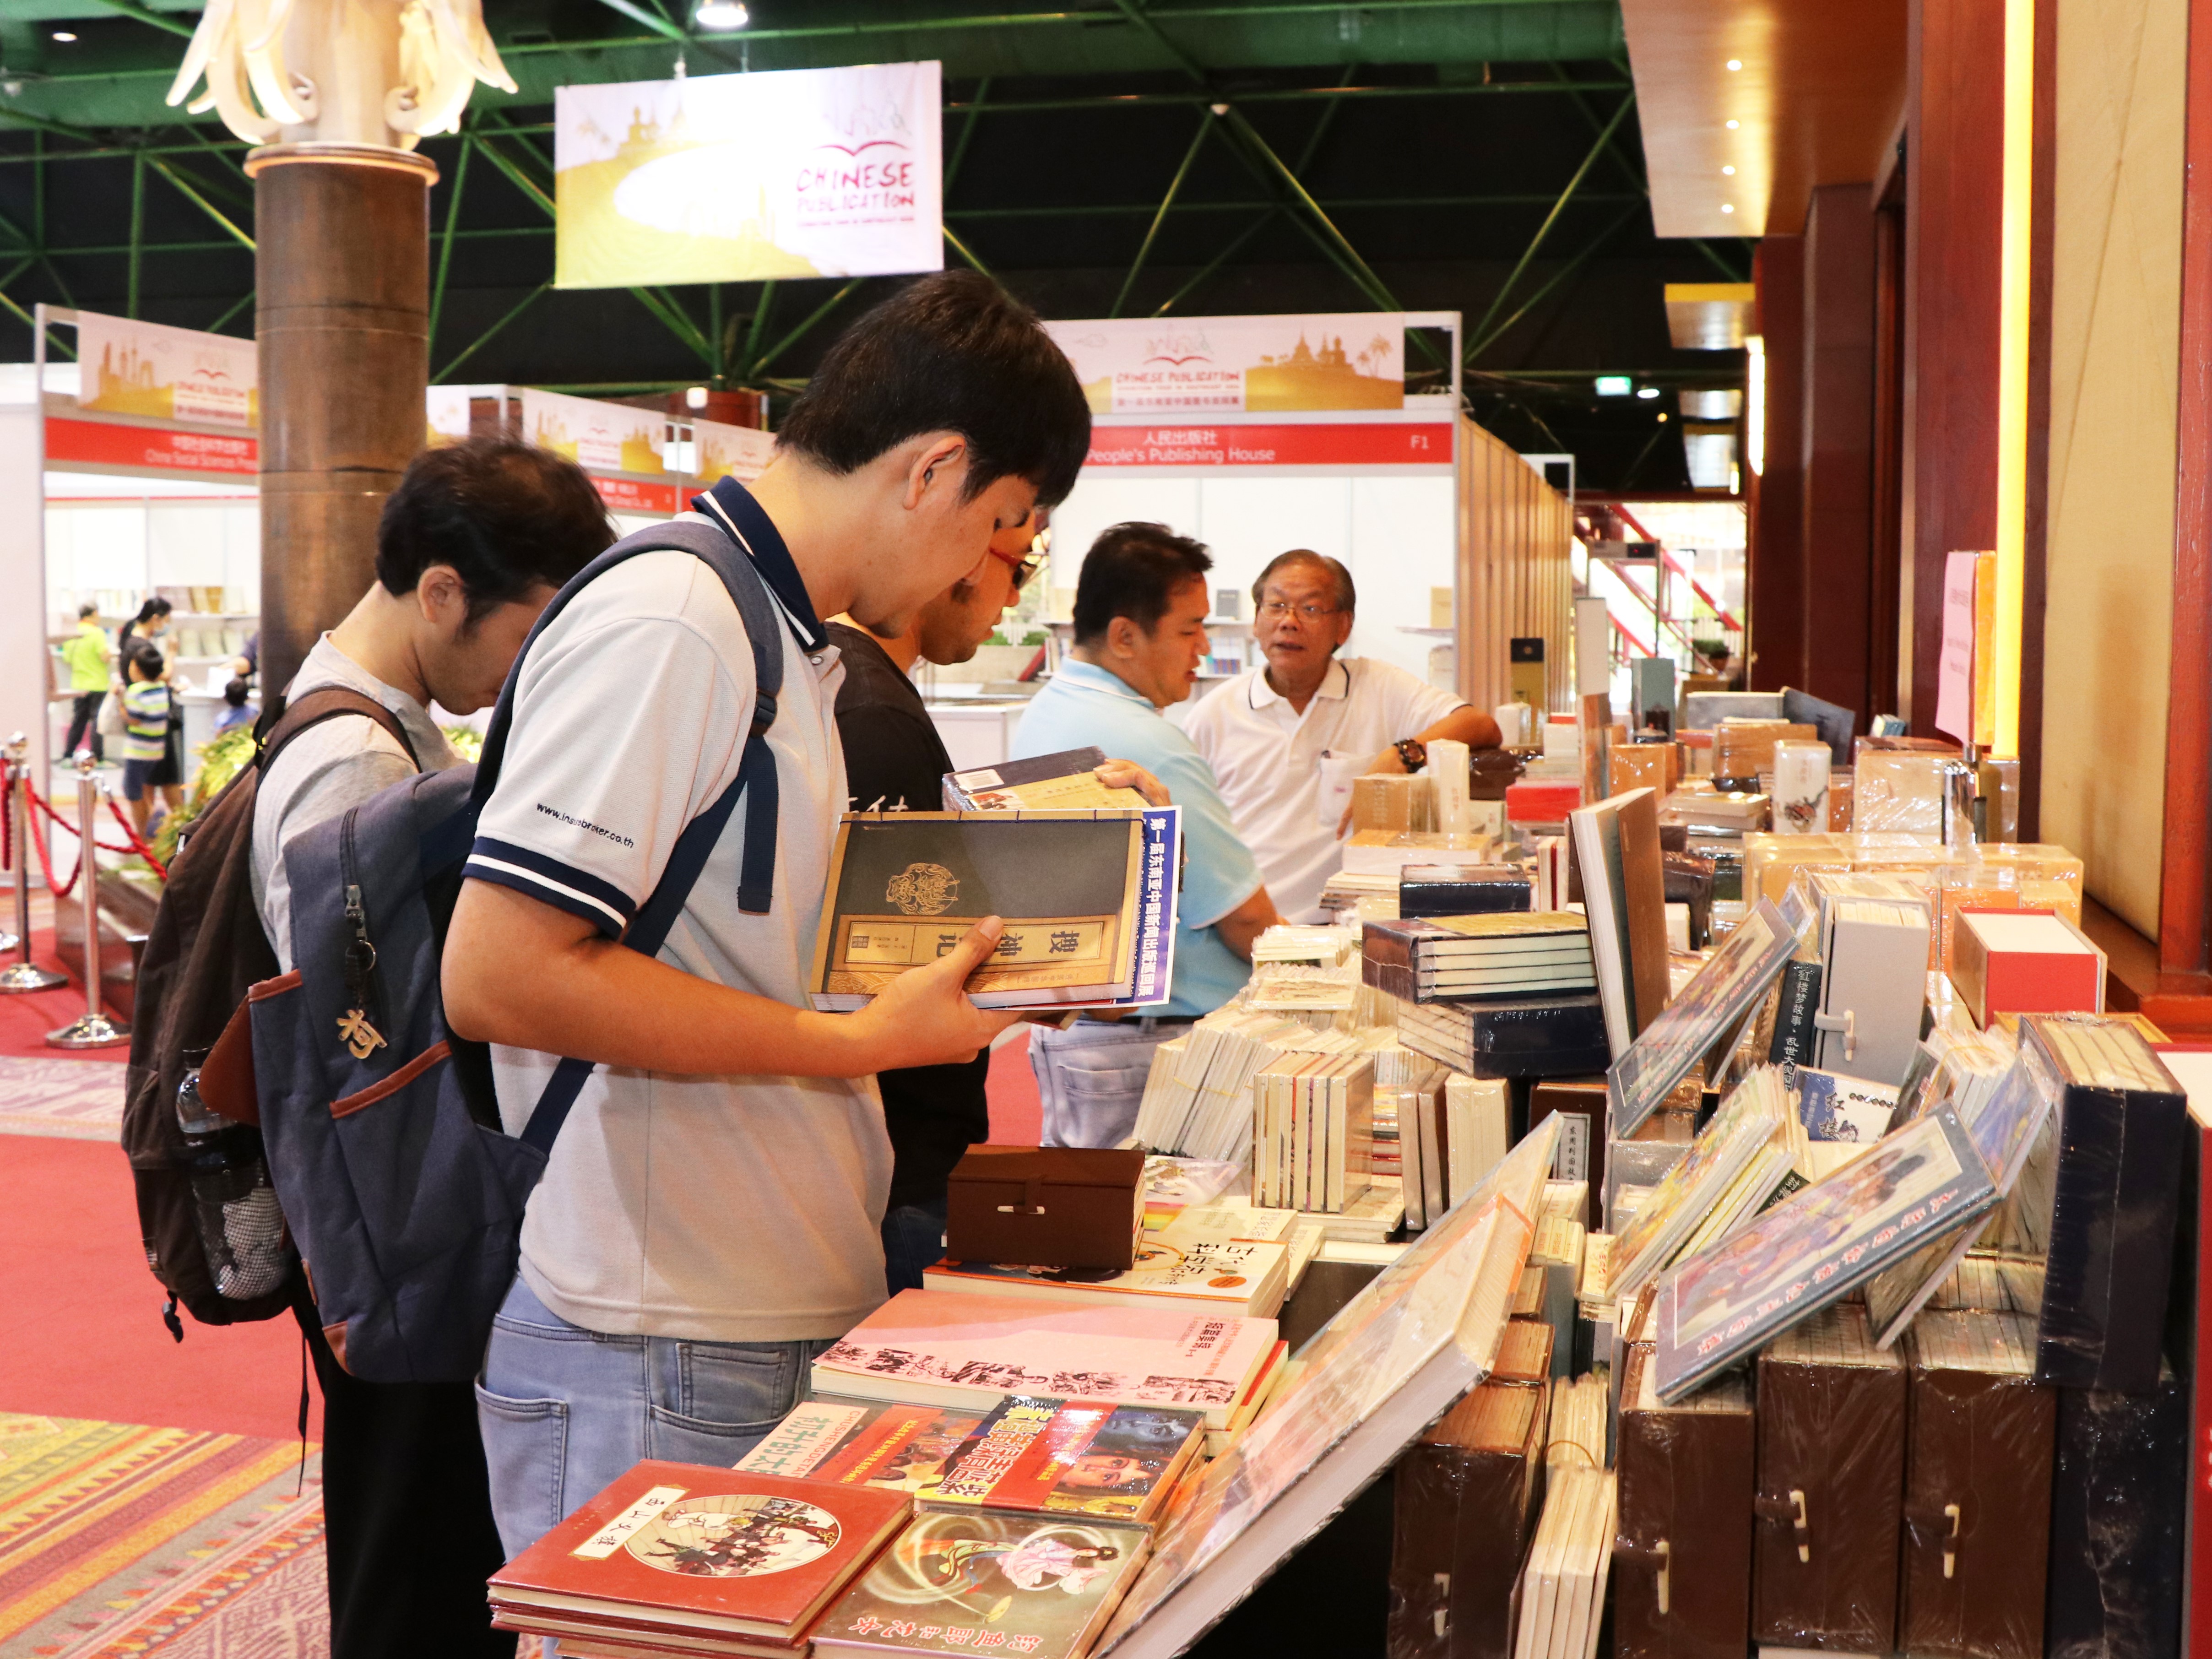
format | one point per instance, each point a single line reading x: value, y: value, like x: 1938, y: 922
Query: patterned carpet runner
x: 80, y: 1099
x: 117, y: 1541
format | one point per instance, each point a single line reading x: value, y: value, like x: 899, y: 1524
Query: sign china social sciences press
x: 743, y: 178
x: 1262, y: 365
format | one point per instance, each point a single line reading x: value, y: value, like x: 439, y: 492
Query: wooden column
x: 1775, y: 577
x: 1883, y: 646
x: 343, y: 292
x: 1954, y: 163
x: 1837, y: 438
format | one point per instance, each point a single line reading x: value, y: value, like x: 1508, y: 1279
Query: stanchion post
x: 98, y: 1029
x: 22, y: 973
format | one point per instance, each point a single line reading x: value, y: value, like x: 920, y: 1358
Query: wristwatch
x: 1412, y: 753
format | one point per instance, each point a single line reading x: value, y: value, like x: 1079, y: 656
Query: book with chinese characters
x: 1087, y: 900
x: 957, y: 1582
x: 961, y: 1348
x: 1182, y: 1266
x: 1062, y: 782
x: 1081, y: 1457
x: 719, y: 1553
x: 888, y: 1445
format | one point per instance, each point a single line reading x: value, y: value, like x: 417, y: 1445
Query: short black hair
x: 234, y: 692
x: 145, y: 657
x: 85, y: 611
x: 506, y: 516
x: 954, y: 352
x: 1347, y: 596
x: 1134, y: 570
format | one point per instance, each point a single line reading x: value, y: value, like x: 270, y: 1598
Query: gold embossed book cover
x: 1082, y: 895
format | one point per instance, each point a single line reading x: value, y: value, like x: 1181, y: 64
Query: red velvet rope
x: 134, y: 844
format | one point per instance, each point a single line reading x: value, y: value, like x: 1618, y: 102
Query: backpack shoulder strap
x: 721, y: 549
x: 323, y: 703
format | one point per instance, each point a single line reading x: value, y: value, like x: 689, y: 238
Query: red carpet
x: 81, y: 1333
x: 26, y: 1019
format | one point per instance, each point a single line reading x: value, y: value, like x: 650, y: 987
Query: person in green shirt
x: 87, y: 656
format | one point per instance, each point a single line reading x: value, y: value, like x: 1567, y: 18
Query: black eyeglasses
x: 1276, y: 610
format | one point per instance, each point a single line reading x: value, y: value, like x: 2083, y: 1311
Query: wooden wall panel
x: 1955, y: 165
x: 1514, y: 580
x: 1837, y: 449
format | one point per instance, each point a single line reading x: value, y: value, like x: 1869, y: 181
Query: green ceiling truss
x: 1226, y: 62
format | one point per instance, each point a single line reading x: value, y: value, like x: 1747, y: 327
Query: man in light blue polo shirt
x: 1140, y: 609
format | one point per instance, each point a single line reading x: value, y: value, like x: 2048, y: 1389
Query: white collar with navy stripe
x: 731, y: 506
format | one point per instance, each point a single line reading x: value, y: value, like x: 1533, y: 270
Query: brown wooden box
x: 1682, y: 1559
x: 1831, y: 1487
x: 1046, y: 1206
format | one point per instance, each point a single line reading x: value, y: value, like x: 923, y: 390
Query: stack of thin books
x: 1502, y: 954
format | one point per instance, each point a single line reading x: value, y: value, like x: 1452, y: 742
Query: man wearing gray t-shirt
x: 473, y: 543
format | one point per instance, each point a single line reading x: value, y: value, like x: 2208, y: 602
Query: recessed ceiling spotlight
x: 1728, y: 172
x: 1727, y: 207
x: 1732, y: 126
x: 1735, y: 63
x: 721, y: 14
x: 64, y: 37
x: 1647, y: 393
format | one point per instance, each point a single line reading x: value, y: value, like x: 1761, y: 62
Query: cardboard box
x: 2024, y: 961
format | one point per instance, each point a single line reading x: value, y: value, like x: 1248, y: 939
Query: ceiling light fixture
x: 722, y: 16
x: 1728, y: 172
x: 1735, y: 63
x: 1647, y: 393
x: 1613, y: 386
x: 64, y: 37
x: 1727, y: 207
x: 1732, y: 126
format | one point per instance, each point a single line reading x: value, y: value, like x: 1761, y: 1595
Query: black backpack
x: 385, y: 1141
x: 213, y: 1232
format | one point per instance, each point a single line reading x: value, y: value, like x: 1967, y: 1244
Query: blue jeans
x: 566, y: 1411
x: 913, y: 1239
x: 1090, y: 1077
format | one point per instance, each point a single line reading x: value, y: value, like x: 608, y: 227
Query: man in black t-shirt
x: 896, y: 762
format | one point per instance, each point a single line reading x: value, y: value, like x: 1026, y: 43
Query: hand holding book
x: 924, y: 1016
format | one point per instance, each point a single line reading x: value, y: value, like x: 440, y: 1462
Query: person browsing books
x: 1140, y: 605
x: 1266, y: 732
x: 709, y: 1218
x: 471, y: 545
x: 896, y: 762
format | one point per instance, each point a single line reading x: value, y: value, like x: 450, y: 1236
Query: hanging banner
x: 122, y: 446
x: 729, y: 452
x: 1379, y: 443
x: 599, y: 437
x: 165, y: 374
x: 1339, y: 360
x: 741, y: 178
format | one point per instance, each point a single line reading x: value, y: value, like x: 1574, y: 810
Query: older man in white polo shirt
x: 1267, y: 731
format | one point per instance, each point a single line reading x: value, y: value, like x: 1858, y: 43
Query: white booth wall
x: 1397, y: 533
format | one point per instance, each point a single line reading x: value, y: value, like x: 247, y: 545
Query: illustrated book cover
x: 1721, y: 1304
x: 1070, y: 1456
x: 1707, y: 1010
x: 725, y: 1550
x: 958, y: 1347
x: 1040, y: 1586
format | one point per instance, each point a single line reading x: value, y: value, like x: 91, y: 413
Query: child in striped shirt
x: 146, y: 709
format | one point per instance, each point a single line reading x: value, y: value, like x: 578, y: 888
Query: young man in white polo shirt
x: 1264, y: 733
x: 707, y: 1221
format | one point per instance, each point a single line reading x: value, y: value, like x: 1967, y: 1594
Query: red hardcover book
x: 731, y: 1552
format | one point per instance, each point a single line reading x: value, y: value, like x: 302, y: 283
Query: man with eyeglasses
x: 895, y: 761
x: 1266, y: 732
